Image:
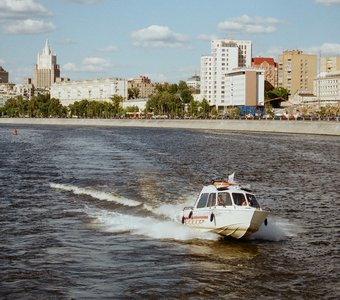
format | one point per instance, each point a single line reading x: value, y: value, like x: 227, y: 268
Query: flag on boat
x: 231, y: 178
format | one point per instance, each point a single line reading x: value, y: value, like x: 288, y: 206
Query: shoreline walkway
x: 269, y: 126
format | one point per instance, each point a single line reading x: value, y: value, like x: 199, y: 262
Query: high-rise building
x: 3, y: 75
x: 226, y: 55
x: 329, y: 63
x: 270, y: 70
x: 297, y: 71
x: 46, y: 70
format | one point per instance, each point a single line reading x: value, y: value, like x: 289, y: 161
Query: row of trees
x: 39, y: 106
x: 173, y: 100
x: 42, y: 106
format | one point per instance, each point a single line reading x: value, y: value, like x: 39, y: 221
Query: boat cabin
x: 225, y: 196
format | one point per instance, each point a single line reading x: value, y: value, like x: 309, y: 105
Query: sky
x: 161, y: 39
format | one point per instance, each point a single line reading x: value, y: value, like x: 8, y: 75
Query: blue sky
x: 161, y: 39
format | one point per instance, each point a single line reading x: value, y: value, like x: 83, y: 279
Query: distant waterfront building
x: 194, y: 83
x: 3, y: 75
x: 26, y: 88
x: 297, y: 71
x: 99, y: 89
x: 46, y: 70
x: 139, y: 102
x: 226, y: 55
x: 327, y: 88
x: 144, y: 85
x: 329, y: 63
x: 244, y: 87
x: 7, y: 91
x: 270, y: 70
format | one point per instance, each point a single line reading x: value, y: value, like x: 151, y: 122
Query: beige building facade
x: 329, y: 63
x: 297, y: 71
x: 144, y: 85
x: 270, y: 70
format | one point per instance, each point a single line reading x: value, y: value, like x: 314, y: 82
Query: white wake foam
x: 276, y: 230
x: 105, y: 196
x: 146, y: 226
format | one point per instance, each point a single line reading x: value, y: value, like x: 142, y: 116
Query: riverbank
x: 270, y: 126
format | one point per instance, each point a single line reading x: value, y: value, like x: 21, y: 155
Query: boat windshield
x: 224, y: 199
x: 252, y: 201
x: 239, y: 199
x: 212, y: 200
x: 202, y: 201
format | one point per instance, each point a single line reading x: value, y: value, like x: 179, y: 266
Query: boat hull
x: 234, y: 222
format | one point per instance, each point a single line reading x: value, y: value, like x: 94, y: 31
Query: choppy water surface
x: 93, y: 213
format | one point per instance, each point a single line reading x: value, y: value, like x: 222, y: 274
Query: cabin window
x: 211, y: 200
x: 202, y: 200
x: 239, y: 199
x: 224, y: 199
x: 252, y: 201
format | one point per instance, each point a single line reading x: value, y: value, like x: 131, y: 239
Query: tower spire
x: 46, y: 48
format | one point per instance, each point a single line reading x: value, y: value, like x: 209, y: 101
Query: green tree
x: 133, y: 93
x: 278, y: 92
x: 55, y: 109
x: 117, y: 102
x: 193, y: 108
x: 205, y: 108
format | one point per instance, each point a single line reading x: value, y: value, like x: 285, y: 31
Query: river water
x: 92, y: 212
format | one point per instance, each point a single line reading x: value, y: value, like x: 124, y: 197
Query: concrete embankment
x: 274, y: 126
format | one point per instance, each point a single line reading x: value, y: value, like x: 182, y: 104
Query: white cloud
x: 109, y: 48
x: 156, y: 36
x: 86, y: 2
x: 70, y: 67
x: 19, y: 17
x: 89, y: 64
x: 29, y: 26
x: 2, y: 62
x: 326, y: 49
x: 328, y: 2
x: 246, y: 24
x: 273, y: 52
x: 21, y: 9
x: 207, y: 37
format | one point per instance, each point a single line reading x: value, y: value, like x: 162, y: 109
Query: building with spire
x: 3, y: 75
x: 46, y: 70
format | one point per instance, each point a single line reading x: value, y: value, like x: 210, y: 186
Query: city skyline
x: 163, y: 40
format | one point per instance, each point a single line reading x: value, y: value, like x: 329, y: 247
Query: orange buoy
x: 15, y: 132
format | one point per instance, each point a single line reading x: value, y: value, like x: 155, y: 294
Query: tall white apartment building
x: 226, y: 55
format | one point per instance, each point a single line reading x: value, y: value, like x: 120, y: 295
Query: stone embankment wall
x: 274, y: 126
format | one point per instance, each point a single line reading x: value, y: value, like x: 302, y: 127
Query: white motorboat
x: 225, y: 208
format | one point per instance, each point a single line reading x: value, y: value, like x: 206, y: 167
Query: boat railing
x: 188, y: 207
